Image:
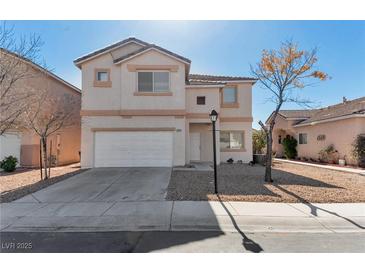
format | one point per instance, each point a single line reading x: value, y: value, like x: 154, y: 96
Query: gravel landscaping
x: 24, y: 181
x: 292, y: 183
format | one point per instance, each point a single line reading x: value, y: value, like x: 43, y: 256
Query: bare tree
x: 49, y: 113
x: 281, y: 72
x: 15, y: 57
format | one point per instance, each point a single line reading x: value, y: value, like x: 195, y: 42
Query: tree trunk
x: 45, y: 158
x: 268, y: 177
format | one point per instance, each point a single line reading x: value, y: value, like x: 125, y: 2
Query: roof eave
x: 78, y: 61
x: 148, y: 49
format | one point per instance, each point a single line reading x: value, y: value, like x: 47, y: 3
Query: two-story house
x: 141, y: 107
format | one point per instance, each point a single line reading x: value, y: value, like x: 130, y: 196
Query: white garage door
x: 133, y: 149
x: 10, y: 145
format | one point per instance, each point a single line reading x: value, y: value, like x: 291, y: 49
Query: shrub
x: 290, y: 147
x: 9, y: 163
x: 359, y: 149
x: 329, y: 155
x: 258, y: 141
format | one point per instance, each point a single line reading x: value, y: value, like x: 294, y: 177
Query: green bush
x: 9, y: 163
x: 359, y: 149
x: 258, y: 141
x: 290, y: 147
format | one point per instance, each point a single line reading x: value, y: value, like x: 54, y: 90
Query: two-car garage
x: 133, y: 148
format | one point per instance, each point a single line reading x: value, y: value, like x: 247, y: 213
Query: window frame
x: 99, y: 83
x: 230, y: 104
x: 153, y: 81
x: 230, y: 132
x: 201, y: 98
x: 300, y: 140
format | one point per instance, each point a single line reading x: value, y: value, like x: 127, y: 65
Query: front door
x: 195, y: 146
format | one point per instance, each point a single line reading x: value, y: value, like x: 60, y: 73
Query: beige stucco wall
x: 340, y: 133
x: 244, y: 98
x: 212, y: 100
x: 245, y: 156
x: 129, y: 84
x: 124, y: 85
x: 87, y: 145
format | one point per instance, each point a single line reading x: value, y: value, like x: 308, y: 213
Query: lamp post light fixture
x: 213, y: 117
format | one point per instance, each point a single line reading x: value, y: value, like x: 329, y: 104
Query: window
x: 200, y: 100
x: 102, y: 76
x: 302, y: 138
x: 321, y: 137
x: 157, y: 81
x: 279, y: 140
x: 231, y: 140
x: 229, y: 95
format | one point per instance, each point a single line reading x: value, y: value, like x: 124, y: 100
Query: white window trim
x: 153, y: 80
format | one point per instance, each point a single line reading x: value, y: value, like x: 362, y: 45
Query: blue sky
x: 218, y: 47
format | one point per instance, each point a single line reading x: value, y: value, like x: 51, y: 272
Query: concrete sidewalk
x: 183, y: 216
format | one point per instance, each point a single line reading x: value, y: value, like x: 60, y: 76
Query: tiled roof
x: 356, y: 106
x: 151, y: 46
x: 350, y: 107
x: 298, y: 113
x: 204, y: 77
x: 89, y: 55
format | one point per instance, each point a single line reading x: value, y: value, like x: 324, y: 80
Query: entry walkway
x: 182, y: 216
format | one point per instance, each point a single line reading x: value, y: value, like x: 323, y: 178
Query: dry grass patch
x: 292, y: 183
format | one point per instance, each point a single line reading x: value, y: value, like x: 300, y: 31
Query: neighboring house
x: 25, y: 144
x: 141, y: 107
x: 316, y: 129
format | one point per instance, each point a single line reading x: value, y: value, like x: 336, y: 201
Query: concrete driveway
x: 107, y: 185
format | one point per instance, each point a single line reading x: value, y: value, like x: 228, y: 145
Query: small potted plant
x: 342, y: 161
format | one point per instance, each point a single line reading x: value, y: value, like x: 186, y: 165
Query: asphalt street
x: 202, y: 241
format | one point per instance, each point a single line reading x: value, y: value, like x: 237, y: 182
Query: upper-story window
x: 153, y: 81
x: 200, y: 100
x: 229, y: 95
x: 102, y: 78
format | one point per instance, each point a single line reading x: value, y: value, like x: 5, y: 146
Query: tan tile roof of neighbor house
x: 346, y: 108
x: 306, y: 117
x: 295, y: 113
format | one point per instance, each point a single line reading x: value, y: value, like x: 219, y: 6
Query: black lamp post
x: 213, y: 117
